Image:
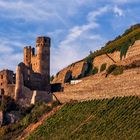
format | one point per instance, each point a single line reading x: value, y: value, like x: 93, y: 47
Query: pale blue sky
x: 75, y: 26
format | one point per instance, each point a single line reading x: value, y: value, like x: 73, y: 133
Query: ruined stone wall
x: 10, y: 90
x: 132, y: 54
x: 34, y: 63
x: 41, y: 96
x: 27, y: 55
x: 98, y: 61
x: 30, y: 58
x: 6, y: 78
x: 36, y: 81
x: 99, y: 87
x: 134, y: 50
x: 32, y: 96
x: 76, y: 70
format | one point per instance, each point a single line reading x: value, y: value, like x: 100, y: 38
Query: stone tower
x: 43, y: 59
x: 19, y: 83
x: 28, y: 53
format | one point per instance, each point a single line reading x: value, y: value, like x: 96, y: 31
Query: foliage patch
x: 118, y: 70
x: 95, y: 70
x: 110, y: 69
x: 103, y: 67
x: 30, y: 115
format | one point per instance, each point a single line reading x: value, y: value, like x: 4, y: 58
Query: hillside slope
x: 114, y: 51
x: 116, y: 118
x: 34, y: 126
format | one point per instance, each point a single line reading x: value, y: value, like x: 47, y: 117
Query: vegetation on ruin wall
x: 30, y: 115
x: 103, y: 67
x: 95, y: 70
x: 116, y: 118
x: 117, y: 70
x: 121, y: 43
x: 88, y: 61
x: 90, y: 68
x: 111, y: 68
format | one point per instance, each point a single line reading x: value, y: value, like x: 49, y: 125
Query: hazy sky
x: 75, y: 26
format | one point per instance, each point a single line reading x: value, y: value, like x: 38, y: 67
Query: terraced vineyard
x: 120, y: 43
x: 116, y: 118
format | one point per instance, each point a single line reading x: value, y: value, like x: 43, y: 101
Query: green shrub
x: 111, y: 68
x: 95, y: 70
x: 55, y: 103
x: 39, y: 110
x: 103, y: 67
x: 115, y: 70
x: 118, y: 70
x: 8, y: 104
x: 26, y: 120
x: 26, y: 110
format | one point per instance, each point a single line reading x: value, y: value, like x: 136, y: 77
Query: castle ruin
x: 31, y: 83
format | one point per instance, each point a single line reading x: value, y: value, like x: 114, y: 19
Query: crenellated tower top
x: 45, y: 41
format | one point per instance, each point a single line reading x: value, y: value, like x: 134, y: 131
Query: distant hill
x: 116, y: 118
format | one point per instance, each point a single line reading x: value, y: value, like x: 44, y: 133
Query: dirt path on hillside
x: 34, y: 126
x: 88, y: 119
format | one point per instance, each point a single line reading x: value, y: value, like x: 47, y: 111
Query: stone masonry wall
x: 98, y: 61
x: 30, y: 97
x: 99, y: 87
x: 76, y: 70
x: 132, y: 54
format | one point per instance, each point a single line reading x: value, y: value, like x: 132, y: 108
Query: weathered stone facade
x: 31, y: 81
x: 99, y: 87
